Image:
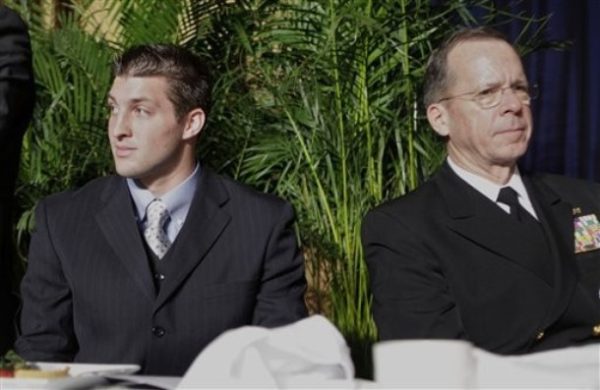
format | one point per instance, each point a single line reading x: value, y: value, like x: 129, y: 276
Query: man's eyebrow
x: 520, y: 82
x: 140, y: 100
x: 491, y: 84
x: 133, y: 100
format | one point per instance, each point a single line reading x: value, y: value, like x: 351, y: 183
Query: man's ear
x: 194, y: 123
x: 437, y: 115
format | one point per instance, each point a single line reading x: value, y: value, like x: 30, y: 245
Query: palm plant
x: 329, y: 114
x: 64, y: 145
x: 334, y: 92
x: 315, y: 100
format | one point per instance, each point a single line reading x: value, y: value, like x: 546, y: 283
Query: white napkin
x: 458, y: 364
x: 310, y: 352
x: 431, y: 364
x: 572, y: 367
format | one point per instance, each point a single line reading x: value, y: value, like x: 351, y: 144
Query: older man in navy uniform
x: 482, y: 252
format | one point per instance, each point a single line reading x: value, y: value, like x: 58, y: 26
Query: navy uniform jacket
x: 446, y: 262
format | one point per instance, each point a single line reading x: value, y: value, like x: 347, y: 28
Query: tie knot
x: 157, y: 213
x: 508, y: 196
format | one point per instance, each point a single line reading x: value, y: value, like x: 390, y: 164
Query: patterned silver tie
x: 156, y: 237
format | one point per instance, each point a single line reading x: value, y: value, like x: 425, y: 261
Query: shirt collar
x: 177, y: 200
x: 487, y: 187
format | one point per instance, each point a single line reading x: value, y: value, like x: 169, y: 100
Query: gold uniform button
x: 596, y: 330
x: 540, y: 335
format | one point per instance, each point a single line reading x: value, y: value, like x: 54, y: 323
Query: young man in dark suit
x: 149, y: 266
x: 16, y: 106
x: 482, y: 252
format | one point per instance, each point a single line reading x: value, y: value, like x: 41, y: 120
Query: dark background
x: 566, y: 138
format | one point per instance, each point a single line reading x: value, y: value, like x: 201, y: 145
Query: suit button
x: 540, y: 336
x: 596, y: 330
x: 159, y: 277
x: 158, y: 331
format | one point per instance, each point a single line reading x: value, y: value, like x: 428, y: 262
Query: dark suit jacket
x: 16, y: 105
x: 88, y: 293
x: 446, y: 262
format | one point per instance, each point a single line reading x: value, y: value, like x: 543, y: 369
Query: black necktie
x: 509, y: 197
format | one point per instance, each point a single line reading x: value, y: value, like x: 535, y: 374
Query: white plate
x: 81, y: 375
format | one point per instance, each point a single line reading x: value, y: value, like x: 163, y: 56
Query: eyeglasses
x: 491, y: 97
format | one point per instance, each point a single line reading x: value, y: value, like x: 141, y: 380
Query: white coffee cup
x: 424, y: 364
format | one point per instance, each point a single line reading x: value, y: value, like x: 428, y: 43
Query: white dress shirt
x: 177, y: 200
x: 491, y: 190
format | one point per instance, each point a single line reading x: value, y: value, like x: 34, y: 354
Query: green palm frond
x: 318, y: 101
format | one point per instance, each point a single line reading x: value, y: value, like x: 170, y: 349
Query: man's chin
x: 126, y: 172
x: 513, y: 152
x: 508, y: 161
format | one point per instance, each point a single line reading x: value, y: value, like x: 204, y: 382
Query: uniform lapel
x: 557, y: 221
x: 481, y: 221
x: 117, y: 222
x: 204, y: 223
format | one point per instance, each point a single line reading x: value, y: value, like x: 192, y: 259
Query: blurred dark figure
x: 16, y: 106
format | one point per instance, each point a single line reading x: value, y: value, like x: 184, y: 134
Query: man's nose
x: 119, y: 126
x: 511, y: 99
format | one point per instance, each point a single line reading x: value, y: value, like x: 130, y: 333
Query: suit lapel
x: 557, y: 220
x: 478, y: 219
x: 117, y: 222
x: 204, y: 223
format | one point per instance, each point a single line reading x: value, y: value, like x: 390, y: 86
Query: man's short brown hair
x: 187, y: 75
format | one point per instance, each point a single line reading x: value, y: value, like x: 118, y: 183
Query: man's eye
x: 140, y: 111
x: 111, y: 109
x: 521, y: 89
x: 487, y: 92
